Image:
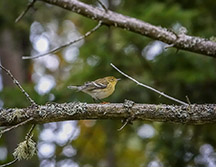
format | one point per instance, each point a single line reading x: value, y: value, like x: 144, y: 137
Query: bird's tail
x: 78, y: 88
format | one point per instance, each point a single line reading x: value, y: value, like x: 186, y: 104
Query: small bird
x: 98, y: 89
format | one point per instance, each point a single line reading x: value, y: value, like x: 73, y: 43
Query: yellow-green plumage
x: 98, y: 89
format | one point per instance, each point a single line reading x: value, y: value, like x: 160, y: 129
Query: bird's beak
x: 118, y: 79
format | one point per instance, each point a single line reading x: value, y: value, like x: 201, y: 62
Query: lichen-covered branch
x: 179, y: 41
x: 51, y: 112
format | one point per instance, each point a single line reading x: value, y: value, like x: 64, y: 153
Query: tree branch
x: 52, y: 112
x: 66, y: 45
x: 31, y: 4
x: 179, y: 41
x: 9, y: 163
x: 149, y: 87
x: 18, y: 85
x: 15, y: 126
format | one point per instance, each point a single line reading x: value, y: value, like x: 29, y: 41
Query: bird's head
x: 112, y: 80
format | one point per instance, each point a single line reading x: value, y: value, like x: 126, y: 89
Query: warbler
x: 98, y: 89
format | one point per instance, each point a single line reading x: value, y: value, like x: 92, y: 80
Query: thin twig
x: 16, y: 126
x: 188, y: 100
x: 28, y: 136
x: 30, y: 4
x: 148, y: 87
x: 66, y: 45
x: 125, y: 123
x: 169, y: 46
x: 102, y: 5
x: 18, y: 84
x: 9, y: 163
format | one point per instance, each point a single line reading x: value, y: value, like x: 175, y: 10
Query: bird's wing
x: 95, y: 85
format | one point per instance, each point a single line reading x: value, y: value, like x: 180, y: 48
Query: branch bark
x: 179, y: 41
x: 52, y: 112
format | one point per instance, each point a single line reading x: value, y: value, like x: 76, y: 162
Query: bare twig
x: 102, y: 5
x: 66, y: 45
x: 15, y: 126
x: 188, y: 100
x: 125, y: 123
x: 18, y: 84
x: 169, y: 46
x: 148, y: 87
x: 28, y: 136
x: 30, y: 4
x: 9, y: 163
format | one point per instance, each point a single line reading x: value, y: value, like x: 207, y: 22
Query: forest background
x: 98, y: 143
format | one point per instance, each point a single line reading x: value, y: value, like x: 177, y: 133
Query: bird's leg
x: 99, y: 100
x: 94, y: 100
x: 103, y: 102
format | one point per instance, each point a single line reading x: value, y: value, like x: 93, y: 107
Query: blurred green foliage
x: 177, y: 74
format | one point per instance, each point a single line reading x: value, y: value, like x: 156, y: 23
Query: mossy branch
x: 52, y: 112
x: 179, y: 41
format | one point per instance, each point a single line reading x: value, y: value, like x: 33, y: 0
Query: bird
x: 98, y: 89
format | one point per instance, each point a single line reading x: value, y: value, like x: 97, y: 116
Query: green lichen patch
x: 15, y: 114
x: 25, y: 150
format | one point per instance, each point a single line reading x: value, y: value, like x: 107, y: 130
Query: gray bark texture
x: 179, y: 41
x: 52, y: 112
